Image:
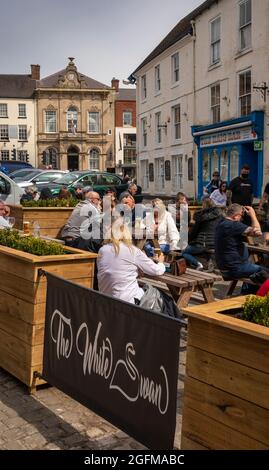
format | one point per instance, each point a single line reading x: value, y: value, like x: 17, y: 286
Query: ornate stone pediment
x: 71, y: 78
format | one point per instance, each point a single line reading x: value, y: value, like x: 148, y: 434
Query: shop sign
x: 226, y: 137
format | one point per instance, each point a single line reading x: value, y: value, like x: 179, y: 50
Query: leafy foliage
x: 33, y: 245
x: 256, y: 310
x: 71, y: 202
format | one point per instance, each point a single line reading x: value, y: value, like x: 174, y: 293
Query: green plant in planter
x: 72, y: 202
x: 256, y: 310
x: 33, y: 245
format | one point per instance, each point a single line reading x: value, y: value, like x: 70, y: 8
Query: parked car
x: 97, y: 179
x: 40, y: 177
x: 8, y: 166
x: 10, y: 192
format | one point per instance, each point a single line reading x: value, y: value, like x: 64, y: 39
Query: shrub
x: 33, y: 245
x: 256, y: 310
x: 72, y: 202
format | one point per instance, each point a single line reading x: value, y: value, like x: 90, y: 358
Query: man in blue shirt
x: 230, y: 250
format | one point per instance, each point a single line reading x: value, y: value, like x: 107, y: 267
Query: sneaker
x: 199, y: 266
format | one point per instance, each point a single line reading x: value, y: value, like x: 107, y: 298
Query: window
x: 177, y: 126
x: 145, y: 174
x: 177, y: 172
x: 94, y: 122
x: 143, y: 87
x: 4, y: 154
x: 52, y: 158
x: 214, y: 162
x: 205, y: 166
x: 144, y: 131
x: 109, y: 180
x: 88, y: 180
x: 72, y: 120
x: 23, y: 155
x: 159, y: 182
x: 234, y: 163
x: 127, y: 118
x: 245, y: 93
x: 4, y: 132
x: 245, y: 24
x: 224, y: 165
x: 22, y: 110
x: 3, y: 110
x: 22, y: 133
x: 50, y: 121
x: 94, y: 162
x: 158, y: 128
x: 215, y: 41
x: 157, y: 79
x: 47, y: 177
x: 190, y: 169
x: 215, y: 103
x: 175, y: 67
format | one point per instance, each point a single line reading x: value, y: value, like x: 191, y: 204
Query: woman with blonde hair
x: 118, y: 263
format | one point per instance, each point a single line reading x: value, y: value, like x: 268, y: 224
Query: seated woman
x: 64, y: 193
x: 202, y: 234
x: 219, y: 196
x: 118, y: 263
x: 164, y: 227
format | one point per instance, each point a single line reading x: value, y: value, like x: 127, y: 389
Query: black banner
x: 116, y: 358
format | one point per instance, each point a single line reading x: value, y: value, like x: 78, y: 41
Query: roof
x: 182, y: 29
x: 126, y: 94
x: 17, y: 86
x: 52, y: 81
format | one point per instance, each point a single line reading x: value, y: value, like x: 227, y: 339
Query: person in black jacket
x: 202, y: 234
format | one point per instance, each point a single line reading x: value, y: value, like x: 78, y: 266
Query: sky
x: 108, y: 38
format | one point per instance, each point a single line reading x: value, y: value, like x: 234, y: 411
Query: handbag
x: 178, y: 266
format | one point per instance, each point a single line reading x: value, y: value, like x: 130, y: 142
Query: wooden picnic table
x: 184, y: 286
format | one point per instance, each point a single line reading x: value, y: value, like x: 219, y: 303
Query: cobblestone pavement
x: 52, y: 420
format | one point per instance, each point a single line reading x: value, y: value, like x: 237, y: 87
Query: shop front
x: 227, y: 146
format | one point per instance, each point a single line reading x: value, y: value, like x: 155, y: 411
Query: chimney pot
x: 35, y: 71
x: 115, y: 83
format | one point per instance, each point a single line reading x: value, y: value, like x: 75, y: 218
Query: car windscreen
x: 22, y: 173
x: 27, y: 177
x: 67, y: 179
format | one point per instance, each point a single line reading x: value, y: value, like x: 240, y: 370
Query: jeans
x: 190, y: 251
x: 244, y: 270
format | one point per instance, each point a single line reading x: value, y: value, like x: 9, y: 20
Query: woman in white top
x: 165, y: 227
x: 118, y: 264
x: 219, y: 196
x: 3, y: 211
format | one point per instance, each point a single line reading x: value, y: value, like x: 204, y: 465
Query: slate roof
x: 52, y: 80
x: 182, y: 28
x: 17, y: 86
x: 126, y: 94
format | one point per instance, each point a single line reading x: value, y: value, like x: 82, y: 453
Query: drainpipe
x: 195, y: 163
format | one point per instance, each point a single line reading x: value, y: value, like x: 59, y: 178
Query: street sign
x: 258, y: 145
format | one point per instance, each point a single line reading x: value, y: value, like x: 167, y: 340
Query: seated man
x: 83, y: 228
x: 4, y: 212
x: 230, y: 251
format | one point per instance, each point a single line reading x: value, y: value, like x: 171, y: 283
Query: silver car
x: 39, y: 177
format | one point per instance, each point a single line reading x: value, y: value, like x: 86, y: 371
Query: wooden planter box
x: 226, y: 396
x: 22, y: 304
x: 50, y: 219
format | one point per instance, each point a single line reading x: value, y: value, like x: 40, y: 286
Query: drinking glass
x: 11, y: 221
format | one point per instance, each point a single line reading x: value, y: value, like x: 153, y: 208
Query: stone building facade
x: 75, y: 121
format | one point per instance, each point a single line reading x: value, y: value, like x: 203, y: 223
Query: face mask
x: 244, y: 175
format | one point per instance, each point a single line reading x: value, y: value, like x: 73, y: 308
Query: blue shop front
x: 227, y: 146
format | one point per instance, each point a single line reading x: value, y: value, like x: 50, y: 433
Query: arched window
x: 72, y: 120
x: 94, y: 162
x: 52, y: 159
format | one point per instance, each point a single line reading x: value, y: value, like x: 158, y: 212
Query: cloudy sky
x: 107, y: 37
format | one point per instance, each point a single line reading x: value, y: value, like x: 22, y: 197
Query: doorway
x: 72, y: 159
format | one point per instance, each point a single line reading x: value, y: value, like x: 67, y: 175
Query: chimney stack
x: 115, y: 83
x: 35, y: 71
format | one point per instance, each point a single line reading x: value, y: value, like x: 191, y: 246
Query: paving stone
x: 94, y: 433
